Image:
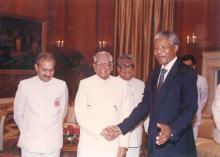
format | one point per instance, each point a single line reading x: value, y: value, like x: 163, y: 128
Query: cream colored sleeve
x: 203, y: 92
x: 216, y: 107
x: 19, y: 104
x: 64, y: 101
x: 125, y: 111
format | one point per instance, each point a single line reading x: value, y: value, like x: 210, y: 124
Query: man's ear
x: 36, y: 67
x: 111, y: 68
x: 176, y: 48
x: 118, y: 68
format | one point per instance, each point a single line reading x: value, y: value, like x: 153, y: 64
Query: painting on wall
x: 20, y: 42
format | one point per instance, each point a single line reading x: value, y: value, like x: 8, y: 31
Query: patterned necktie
x: 161, y: 77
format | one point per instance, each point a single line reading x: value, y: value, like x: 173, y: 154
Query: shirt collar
x: 126, y: 80
x: 169, y: 65
x: 42, y: 82
x: 102, y: 80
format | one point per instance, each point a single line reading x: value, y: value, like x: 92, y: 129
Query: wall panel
x: 80, y: 33
x: 80, y: 23
x: 26, y: 8
x: 202, y: 18
x: 190, y: 17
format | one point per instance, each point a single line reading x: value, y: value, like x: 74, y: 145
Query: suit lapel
x: 154, y: 88
x: 171, y: 75
x: 162, y: 92
x: 156, y: 76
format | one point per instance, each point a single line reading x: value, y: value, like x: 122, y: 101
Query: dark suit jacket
x: 174, y: 104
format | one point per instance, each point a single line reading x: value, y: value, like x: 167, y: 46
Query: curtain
x: 136, y: 23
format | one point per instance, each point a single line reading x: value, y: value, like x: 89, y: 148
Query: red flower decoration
x: 71, y: 130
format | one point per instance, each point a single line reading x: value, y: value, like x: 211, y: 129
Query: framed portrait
x: 21, y: 39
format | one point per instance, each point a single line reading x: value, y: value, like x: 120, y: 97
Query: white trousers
x: 216, y: 135
x: 195, y: 131
x: 133, y: 152
x: 25, y: 153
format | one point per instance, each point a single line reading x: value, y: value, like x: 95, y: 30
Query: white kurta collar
x: 40, y: 82
x: 130, y: 82
x: 102, y: 80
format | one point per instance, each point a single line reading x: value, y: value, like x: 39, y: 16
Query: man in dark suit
x: 170, y: 97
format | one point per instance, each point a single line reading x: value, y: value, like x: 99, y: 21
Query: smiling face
x: 164, y: 50
x: 126, y: 69
x: 103, y: 67
x: 45, y: 69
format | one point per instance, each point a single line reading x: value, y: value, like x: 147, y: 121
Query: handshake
x: 111, y: 132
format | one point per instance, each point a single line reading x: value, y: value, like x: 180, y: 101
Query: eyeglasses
x: 126, y: 66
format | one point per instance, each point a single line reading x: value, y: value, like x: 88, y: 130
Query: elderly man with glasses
x: 125, y: 68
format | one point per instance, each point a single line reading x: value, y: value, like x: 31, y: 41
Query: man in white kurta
x: 39, y: 109
x: 136, y: 89
x: 202, y: 88
x: 216, y: 114
x: 101, y: 100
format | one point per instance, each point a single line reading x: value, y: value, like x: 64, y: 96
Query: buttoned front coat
x: 174, y: 104
x: 98, y: 104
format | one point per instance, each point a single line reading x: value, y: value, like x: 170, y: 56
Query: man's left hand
x: 164, y: 133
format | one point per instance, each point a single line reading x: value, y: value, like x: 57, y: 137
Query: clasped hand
x: 111, y: 132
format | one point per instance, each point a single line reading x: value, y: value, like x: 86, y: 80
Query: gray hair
x: 45, y: 56
x: 95, y: 57
x: 171, y: 36
x: 124, y: 56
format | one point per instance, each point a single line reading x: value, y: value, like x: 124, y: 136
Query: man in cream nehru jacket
x: 101, y: 100
x: 39, y: 110
x: 125, y: 69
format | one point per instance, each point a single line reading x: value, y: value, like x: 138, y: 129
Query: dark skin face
x: 164, y: 50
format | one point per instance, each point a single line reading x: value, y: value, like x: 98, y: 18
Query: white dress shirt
x: 168, y: 68
x: 39, y: 110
